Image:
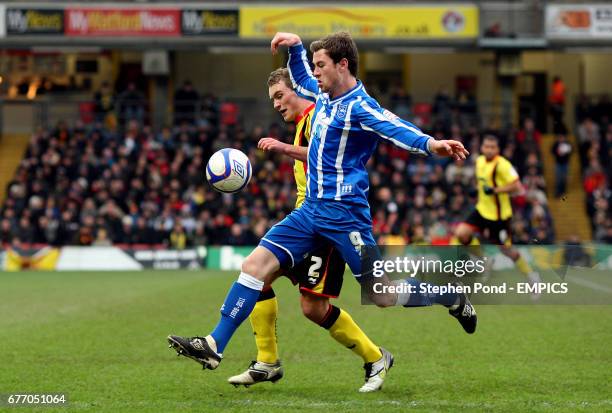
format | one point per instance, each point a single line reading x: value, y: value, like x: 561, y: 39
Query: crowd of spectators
x: 98, y: 185
x: 594, y: 135
x: 93, y: 186
x: 419, y: 200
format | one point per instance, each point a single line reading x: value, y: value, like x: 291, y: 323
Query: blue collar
x: 349, y: 92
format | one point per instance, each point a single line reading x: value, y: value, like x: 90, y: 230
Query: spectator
x: 467, y: 108
x: 494, y: 30
x: 186, y: 101
x: 442, y: 108
x: 401, y: 102
x: 588, y: 135
x: 46, y: 231
x: 598, y: 204
x: 606, y: 152
x: 102, y: 238
x: 104, y: 106
x: 210, y: 112
x: 583, y: 109
x: 607, y: 236
x: 199, y: 236
x: 556, y: 102
x: 5, y: 232
x: 25, y: 232
x: 460, y: 172
x: 529, y: 137
x: 178, y: 238
x: 131, y: 104
x: 238, y: 236
x: 594, y: 177
x: 85, y: 236
x: 603, y: 111
x: 562, y: 151
x: 229, y: 113
x: 144, y: 233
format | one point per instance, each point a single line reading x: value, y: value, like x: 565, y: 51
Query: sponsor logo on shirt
x: 390, y: 115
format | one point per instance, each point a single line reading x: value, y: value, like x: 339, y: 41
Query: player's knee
x: 249, y: 266
x: 255, y: 268
x: 314, y: 308
x: 260, y: 264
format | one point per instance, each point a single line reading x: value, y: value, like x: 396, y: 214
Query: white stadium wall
x: 95, y: 258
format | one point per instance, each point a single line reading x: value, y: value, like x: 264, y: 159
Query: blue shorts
x: 347, y: 227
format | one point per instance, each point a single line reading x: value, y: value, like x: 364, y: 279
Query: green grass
x: 100, y: 338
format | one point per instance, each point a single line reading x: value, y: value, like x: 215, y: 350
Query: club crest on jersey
x: 389, y: 115
x: 341, y: 112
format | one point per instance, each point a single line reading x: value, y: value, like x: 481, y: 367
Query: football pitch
x: 100, y: 338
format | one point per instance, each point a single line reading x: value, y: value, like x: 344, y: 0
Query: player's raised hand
x: 283, y: 39
x: 451, y: 148
x: 271, y: 144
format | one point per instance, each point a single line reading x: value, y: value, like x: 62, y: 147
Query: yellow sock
x: 523, y: 266
x: 346, y: 332
x: 454, y: 241
x: 263, y: 321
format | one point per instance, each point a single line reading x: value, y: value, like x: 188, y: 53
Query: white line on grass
x: 590, y: 284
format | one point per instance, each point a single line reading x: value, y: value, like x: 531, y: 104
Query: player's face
x: 325, y: 71
x: 284, y: 100
x: 489, y: 148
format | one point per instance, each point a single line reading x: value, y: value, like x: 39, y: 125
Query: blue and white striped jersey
x: 344, y: 134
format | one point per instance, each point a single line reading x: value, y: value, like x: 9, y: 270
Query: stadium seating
x: 92, y: 185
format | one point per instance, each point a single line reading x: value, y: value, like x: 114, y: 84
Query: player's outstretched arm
x: 302, y: 79
x: 404, y: 134
x: 299, y: 153
x: 388, y: 126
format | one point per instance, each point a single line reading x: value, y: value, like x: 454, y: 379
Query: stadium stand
x: 594, y: 133
x: 97, y: 184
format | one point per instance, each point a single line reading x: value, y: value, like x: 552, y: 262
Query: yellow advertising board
x: 44, y: 259
x: 380, y: 22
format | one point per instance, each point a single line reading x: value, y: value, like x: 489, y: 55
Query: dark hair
x: 491, y: 138
x: 280, y: 75
x: 339, y: 46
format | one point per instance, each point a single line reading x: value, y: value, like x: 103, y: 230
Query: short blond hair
x: 280, y: 75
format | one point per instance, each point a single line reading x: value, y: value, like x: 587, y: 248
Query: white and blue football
x: 228, y: 170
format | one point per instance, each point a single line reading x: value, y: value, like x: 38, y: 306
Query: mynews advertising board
x: 34, y: 21
x: 204, y: 22
x: 90, y: 22
x: 579, y: 22
x: 447, y: 22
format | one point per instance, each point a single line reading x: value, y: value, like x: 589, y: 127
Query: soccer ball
x: 228, y: 170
